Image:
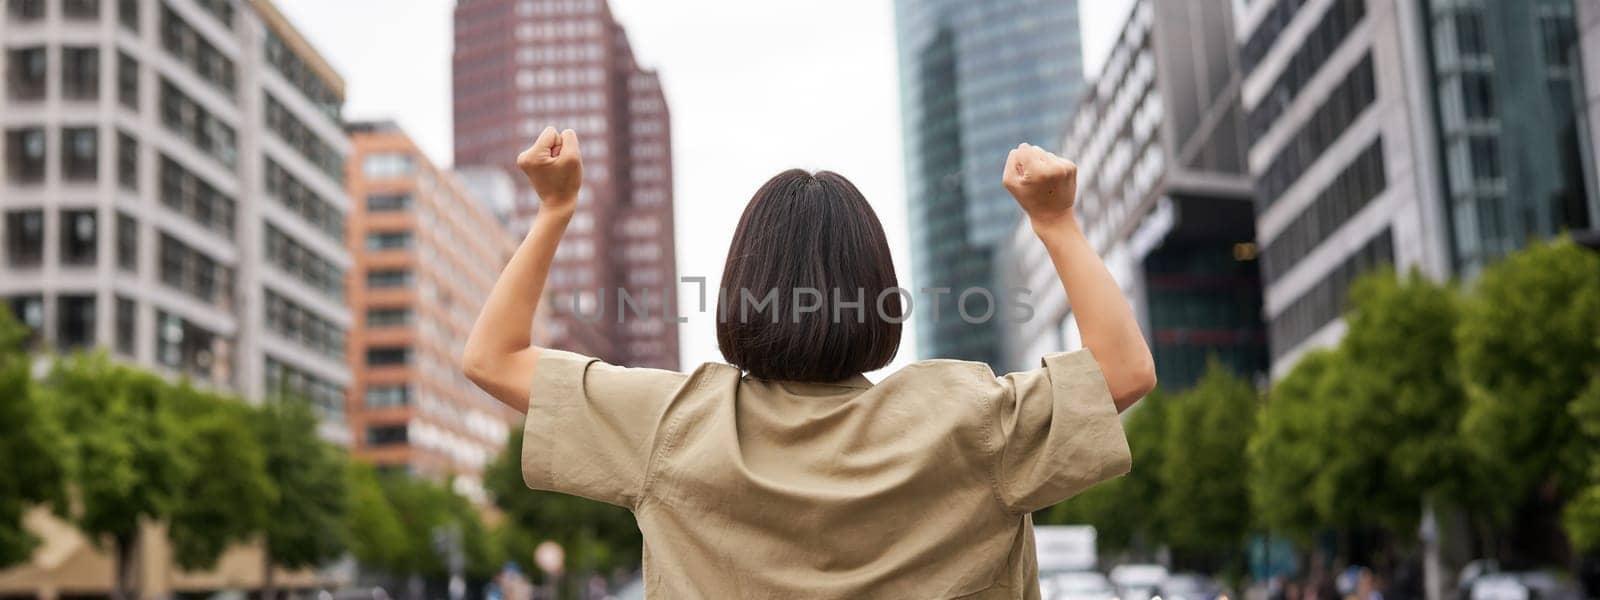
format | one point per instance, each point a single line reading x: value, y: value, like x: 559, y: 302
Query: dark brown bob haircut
x: 808, y: 292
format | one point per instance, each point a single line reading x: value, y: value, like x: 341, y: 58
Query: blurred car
x: 1075, y: 585
x: 1137, y: 582
x: 1190, y: 586
x: 1527, y: 585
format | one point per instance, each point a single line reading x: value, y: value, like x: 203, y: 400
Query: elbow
x: 1133, y: 384
x: 476, y: 367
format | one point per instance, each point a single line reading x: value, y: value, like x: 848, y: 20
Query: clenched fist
x: 554, y: 168
x: 1045, y: 185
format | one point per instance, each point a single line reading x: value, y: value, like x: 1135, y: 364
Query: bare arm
x: 1046, y: 186
x: 500, y: 356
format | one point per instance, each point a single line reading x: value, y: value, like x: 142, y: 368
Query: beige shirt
x: 917, y: 487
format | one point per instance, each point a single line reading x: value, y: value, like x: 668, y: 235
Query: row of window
x: 33, y: 10
x: 309, y: 267
x: 79, y: 238
x: 301, y: 76
x: 1345, y: 196
x: 300, y: 137
x: 189, y: 348
x: 1342, y: 107
x: 292, y: 321
x: 1341, y: 17
x: 386, y: 396
x: 300, y: 199
x: 389, y: 203
x: 195, y: 273
x: 193, y: 50
x: 191, y: 196
x: 26, y: 153
x: 388, y: 356
x: 1325, y: 301
x: 1266, y: 33
x: 192, y: 122
x: 28, y: 73
x: 388, y: 316
x: 284, y: 380
x: 389, y: 240
x: 378, y: 279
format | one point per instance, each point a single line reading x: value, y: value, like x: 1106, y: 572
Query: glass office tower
x: 976, y: 79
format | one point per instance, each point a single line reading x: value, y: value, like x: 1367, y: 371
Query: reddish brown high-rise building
x: 425, y: 256
x: 522, y: 65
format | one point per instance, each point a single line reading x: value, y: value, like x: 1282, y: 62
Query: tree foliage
x: 1204, y: 495
x: 377, y: 537
x: 30, y: 446
x: 306, y: 520
x: 224, y: 499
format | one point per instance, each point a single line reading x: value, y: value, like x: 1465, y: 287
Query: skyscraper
x: 173, y: 192
x: 976, y: 79
x: 426, y: 255
x: 1436, y: 134
x: 1163, y: 195
x: 521, y: 65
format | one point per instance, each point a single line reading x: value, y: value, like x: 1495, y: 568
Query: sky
x: 753, y: 88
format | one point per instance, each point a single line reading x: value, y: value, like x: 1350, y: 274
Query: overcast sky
x: 753, y: 88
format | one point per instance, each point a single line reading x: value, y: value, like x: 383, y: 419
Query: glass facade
x: 1508, y: 100
x: 977, y: 78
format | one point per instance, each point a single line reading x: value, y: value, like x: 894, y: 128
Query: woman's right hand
x: 1045, y: 185
x: 555, y: 168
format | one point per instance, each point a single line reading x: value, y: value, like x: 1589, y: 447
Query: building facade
x: 522, y: 65
x: 1163, y: 195
x: 1434, y: 135
x: 425, y: 257
x: 976, y: 79
x: 156, y: 152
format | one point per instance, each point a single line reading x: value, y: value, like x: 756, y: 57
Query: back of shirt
x: 918, y: 487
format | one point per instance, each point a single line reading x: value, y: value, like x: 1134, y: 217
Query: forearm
x: 499, y: 354
x: 1105, y: 320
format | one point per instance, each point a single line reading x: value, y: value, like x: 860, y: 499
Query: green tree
x: 437, y: 522
x: 223, y: 499
x: 1123, y: 510
x: 1290, y: 445
x: 1528, y: 350
x: 1203, y: 478
x: 128, y: 462
x: 30, y: 446
x: 1582, y: 516
x: 377, y: 538
x: 595, y: 535
x: 306, y: 520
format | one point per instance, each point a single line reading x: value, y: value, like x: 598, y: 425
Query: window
x: 303, y: 263
x: 127, y: 324
x: 80, y: 9
x: 74, y: 321
x: 25, y: 10
x: 25, y: 238
x: 294, y: 322
x: 303, y: 140
x: 25, y: 74
x: 388, y: 317
x: 1325, y: 301
x: 192, y: 49
x: 28, y: 310
x: 185, y: 117
x: 386, y: 435
x: 388, y: 202
x: 127, y: 81
x: 80, y: 153
x: 388, y: 356
x: 193, y: 197
x: 386, y: 165
x: 191, y: 271
x: 78, y: 237
x: 1336, y: 24
x: 385, y: 396
x: 128, y: 14
x: 304, y: 202
x: 80, y: 73
x: 301, y: 76
x: 186, y: 347
x: 127, y: 243
x: 388, y: 240
x: 221, y: 9
x: 25, y: 155
x: 325, y: 396
x: 389, y: 278
x: 127, y: 161
x: 1343, y: 105
x: 1345, y: 196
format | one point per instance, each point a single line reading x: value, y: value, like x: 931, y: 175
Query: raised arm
x: 500, y: 356
x: 1047, y: 186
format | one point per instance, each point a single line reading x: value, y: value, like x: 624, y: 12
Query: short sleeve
x: 591, y: 426
x: 1058, y: 433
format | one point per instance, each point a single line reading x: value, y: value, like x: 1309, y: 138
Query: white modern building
x: 172, y: 192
